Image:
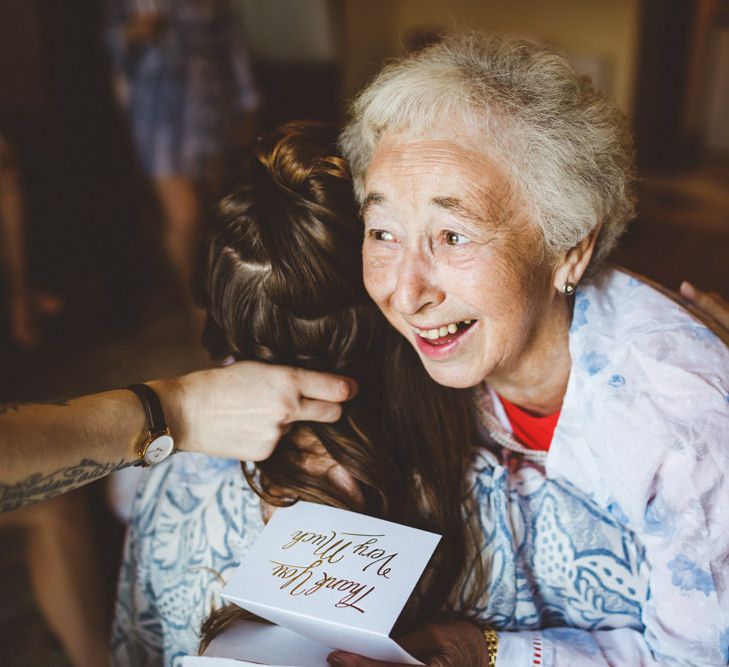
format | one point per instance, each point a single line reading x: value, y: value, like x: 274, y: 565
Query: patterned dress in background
x: 610, y: 549
x: 185, y: 89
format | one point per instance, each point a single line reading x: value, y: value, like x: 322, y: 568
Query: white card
x: 263, y: 643
x: 335, y: 578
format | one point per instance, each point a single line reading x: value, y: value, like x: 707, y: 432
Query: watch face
x: 159, y: 449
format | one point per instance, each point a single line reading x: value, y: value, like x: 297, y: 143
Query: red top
x: 531, y: 431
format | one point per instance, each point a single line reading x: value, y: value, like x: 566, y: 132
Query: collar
x: 494, y: 421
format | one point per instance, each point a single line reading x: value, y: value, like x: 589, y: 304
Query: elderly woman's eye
x: 381, y: 235
x: 454, y: 238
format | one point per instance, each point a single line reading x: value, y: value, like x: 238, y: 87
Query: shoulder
x: 618, y: 306
x: 648, y: 395
x: 621, y: 325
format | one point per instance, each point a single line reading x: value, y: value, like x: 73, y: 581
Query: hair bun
x: 304, y: 209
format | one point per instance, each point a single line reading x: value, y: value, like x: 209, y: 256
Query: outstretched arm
x: 239, y: 411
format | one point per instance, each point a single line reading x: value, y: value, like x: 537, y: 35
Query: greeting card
x: 329, y: 579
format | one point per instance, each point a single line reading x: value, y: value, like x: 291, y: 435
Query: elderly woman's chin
x: 456, y: 376
x: 458, y: 359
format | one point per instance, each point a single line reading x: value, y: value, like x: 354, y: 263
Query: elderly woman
x: 493, y: 184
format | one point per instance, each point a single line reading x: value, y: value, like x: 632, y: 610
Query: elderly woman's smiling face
x: 452, y: 260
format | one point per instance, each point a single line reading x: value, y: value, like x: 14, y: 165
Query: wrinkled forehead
x: 440, y: 164
x: 469, y: 131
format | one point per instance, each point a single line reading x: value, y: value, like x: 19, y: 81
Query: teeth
x: 434, y: 334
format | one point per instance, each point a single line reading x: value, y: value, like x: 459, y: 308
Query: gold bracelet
x: 492, y: 645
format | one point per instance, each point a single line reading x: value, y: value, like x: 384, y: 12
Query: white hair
x: 566, y: 150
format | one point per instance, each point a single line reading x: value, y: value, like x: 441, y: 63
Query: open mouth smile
x: 438, y: 341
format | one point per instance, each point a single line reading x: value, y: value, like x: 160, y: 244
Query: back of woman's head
x: 280, y: 279
x: 280, y: 271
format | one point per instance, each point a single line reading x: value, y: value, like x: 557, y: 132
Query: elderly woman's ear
x: 572, y: 266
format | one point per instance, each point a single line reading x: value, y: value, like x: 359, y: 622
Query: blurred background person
x: 186, y: 79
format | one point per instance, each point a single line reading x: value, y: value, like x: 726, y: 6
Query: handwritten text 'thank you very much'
x: 329, y: 549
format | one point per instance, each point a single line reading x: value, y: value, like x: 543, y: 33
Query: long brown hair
x: 280, y: 277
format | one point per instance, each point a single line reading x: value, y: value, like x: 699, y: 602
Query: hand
x: 242, y: 410
x: 709, y: 303
x: 446, y: 644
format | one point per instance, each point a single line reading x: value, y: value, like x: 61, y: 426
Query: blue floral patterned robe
x: 610, y: 549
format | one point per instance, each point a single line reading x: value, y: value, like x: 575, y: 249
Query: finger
x: 705, y: 301
x: 424, y: 644
x: 316, y: 411
x: 444, y: 644
x: 688, y: 291
x: 324, y: 386
x: 419, y: 643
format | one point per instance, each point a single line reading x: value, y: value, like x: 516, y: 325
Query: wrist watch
x: 158, y: 443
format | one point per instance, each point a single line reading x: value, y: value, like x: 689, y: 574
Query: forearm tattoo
x: 39, y: 486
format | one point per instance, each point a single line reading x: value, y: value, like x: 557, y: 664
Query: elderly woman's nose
x: 415, y: 287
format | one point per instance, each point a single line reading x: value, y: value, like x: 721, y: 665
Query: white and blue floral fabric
x: 610, y: 549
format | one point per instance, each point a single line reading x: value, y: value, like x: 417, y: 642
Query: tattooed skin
x: 41, y: 487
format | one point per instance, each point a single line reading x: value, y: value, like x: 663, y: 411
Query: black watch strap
x: 156, y: 423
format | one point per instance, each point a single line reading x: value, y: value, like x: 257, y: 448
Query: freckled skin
x: 446, y: 240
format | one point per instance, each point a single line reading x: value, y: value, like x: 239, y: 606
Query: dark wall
x: 664, y: 54
x: 89, y: 218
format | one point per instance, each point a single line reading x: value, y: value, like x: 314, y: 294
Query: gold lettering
x: 339, y: 546
x: 294, y: 574
x: 382, y: 570
x: 348, y: 602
